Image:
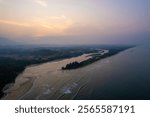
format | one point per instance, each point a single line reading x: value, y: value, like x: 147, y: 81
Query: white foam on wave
x: 68, y: 89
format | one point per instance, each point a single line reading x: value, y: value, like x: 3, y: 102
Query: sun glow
x: 61, y: 19
x: 40, y: 27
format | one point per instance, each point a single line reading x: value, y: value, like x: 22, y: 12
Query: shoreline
x: 26, y: 86
x: 58, y: 60
x: 11, y: 93
x: 29, y: 66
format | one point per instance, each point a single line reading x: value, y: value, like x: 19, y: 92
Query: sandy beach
x: 40, y: 75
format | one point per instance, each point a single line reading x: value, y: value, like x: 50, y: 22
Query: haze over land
x: 75, y: 21
x: 78, y: 46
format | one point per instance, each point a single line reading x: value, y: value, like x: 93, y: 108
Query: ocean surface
x: 122, y: 76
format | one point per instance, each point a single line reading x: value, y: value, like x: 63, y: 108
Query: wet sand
x: 47, y: 81
x: 19, y: 90
x: 123, y: 76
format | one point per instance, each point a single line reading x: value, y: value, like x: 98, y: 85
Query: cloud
x: 42, y: 3
x: 13, y: 23
x: 38, y: 27
x: 53, y: 25
x: 62, y: 17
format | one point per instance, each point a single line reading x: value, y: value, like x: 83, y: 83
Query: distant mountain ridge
x: 5, y: 41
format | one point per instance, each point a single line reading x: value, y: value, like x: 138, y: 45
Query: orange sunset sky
x: 74, y: 21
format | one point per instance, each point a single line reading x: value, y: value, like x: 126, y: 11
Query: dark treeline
x: 95, y: 57
x: 13, y: 60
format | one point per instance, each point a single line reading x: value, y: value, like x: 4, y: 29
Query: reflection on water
x: 47, y: 81
x: 123, y: 76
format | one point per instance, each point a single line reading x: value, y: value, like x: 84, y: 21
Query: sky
x: 75, y: 21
